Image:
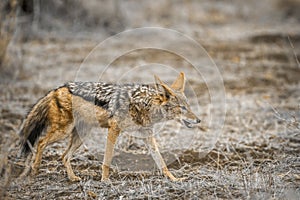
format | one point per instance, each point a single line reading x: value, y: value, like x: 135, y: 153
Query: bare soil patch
x: 255, y: 157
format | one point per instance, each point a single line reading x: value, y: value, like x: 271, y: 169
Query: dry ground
x: 256, y: 156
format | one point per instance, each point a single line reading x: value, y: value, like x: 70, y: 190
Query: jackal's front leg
x: 153, y: 147
x: 113, y: 133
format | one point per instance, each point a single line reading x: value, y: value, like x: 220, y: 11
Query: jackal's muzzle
x: 190, y: 123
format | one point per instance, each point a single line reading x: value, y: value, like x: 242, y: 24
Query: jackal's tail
x: 35, y: 123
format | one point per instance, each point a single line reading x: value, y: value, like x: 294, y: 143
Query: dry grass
x: 255, y: 157
x: 8, y: 15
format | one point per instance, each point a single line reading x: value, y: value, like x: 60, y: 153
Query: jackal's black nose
x: 198, y: 121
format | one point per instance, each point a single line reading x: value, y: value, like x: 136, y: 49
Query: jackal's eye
x: 183, y: 108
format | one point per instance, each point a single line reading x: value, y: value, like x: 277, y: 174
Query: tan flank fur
x: 74, y: 108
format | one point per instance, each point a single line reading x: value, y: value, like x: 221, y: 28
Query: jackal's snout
x: 190, y: 123
x: 190, y: 119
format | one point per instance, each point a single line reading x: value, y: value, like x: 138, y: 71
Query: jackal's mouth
x: 187, y: 123
x: 190, y: 124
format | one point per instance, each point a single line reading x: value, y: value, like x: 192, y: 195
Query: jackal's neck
x: 142, y: 108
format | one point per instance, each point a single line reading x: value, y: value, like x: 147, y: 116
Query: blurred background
x: 256, y: 48
x: 23, y: 20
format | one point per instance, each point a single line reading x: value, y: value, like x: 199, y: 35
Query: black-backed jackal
x: 77, y: 106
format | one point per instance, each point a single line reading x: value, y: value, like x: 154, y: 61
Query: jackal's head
x: 173, y: 103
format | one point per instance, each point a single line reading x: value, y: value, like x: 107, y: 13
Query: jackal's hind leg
x: 74, y: 144
x: 153, y: 148
x: 53, y: 135
x: 112, y: 136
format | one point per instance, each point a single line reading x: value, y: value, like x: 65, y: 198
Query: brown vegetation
x: 256, y: 48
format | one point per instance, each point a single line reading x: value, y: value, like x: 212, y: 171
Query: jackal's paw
x: 34, y: 171
x: 74, y: 178
x: 105, y: 179
x: 178, y: 179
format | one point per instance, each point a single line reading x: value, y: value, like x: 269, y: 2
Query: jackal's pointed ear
x: 179, y: 83
x: 161, y: 86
